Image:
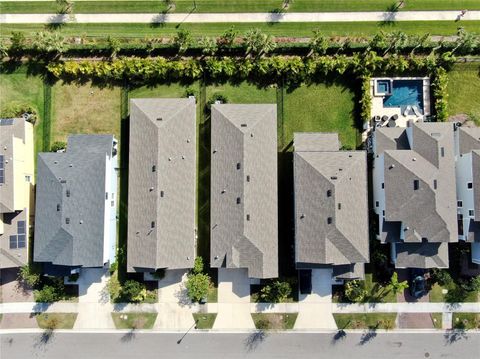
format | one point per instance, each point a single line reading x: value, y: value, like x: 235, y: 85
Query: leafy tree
x: 134, y: 291
x: 441, y: 276
x: 114, y: 288
x: 258, y: 43
x: 182, y: 40
x: 30, y: 275
x: 355, y: 291
x: 197, y: 285
x: 466, y: 42
x: 319, y: 44
x: 209, y: 45
x: 395, y: 286
x: 47, y: 294
x: 57, y: 146
x: 228, y: 37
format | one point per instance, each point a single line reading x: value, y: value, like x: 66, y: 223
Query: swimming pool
x: 405, y: 93
x: 383, y: 87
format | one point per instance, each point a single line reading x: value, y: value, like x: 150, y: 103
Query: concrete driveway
x: 174, y: 307
x: 233, y: 300
x: 11, y: 289
x: 315, y: 309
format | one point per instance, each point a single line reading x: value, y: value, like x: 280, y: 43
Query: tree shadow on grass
x: 254, y: 340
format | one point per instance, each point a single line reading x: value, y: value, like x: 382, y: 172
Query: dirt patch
x: 12, y: 290
x: 18, y: 321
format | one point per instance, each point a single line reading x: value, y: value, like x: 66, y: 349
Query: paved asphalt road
x: 226, y: 346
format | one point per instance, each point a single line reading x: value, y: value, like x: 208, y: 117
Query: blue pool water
x: 383, y: 86
x: 404, y: 93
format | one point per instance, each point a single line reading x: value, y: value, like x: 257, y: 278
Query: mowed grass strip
x: 320, y: 108
x: 294, y: 30
x: 56, y: 320
x: 23, y: 88
x: 204, y: 320
x: 212, y: 6
x: 134, y: 320
x: 464, y: 90
x: 85, y: 109
x: 466, y: 321
x: 274, y: 321
x: 365, y: 321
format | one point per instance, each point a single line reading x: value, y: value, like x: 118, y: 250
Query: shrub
x: 197, y: 286
x: 190, y: 91
x: 263, y: 324
x: 47, y: 294
x: 182, y: 40
x: 159, y: 274
x: 440, y: 94
x: 258, y: 43
x: 30, y: 275
x: 365, y: 100
x: 217, y: 97
x: 276, y: 292
x: 15, y: 109
x: 228, y: 37
x: 355, y: 291
x: 73, y: 277
x: 134, y: 291
x: 198, y: 265
x: 113, y: 267
x: 114, y: 288
x: 57, y: 146
x: 441, y: 276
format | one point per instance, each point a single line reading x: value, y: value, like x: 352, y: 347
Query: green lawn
x: 436, y: 295
x: 243, y: 93
x: 437, y: 320
x: 204, y: 320
x: 134, y: 320
x: 19, y: 86
x: 365, y: 321
x: 234, y: 6
x: 466, y: 320
x: 84, y: 109
x: 274, y: 321
x: 464, y: 90
x: 322, y: 108
x: 56, y: 320
x: 355, y: 29
x: 212, y: 296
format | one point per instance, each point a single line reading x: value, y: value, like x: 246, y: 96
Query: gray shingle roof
x: 469, y: 139
x: 428, y: 214
x: 244, y: 220
x: 330, y: 186
x: 162, y: 134
x: 422, y: 255
x: 82, y: 171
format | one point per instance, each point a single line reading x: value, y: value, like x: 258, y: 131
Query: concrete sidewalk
x: 377, y: 16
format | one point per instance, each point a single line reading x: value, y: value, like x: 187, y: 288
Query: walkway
x: 377, y: 16
x: 233, y: 300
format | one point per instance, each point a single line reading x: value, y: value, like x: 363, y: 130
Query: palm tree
x: 209, y: 45
x: 258, y: 43
x: 395, y: 286
x: 318, y: 44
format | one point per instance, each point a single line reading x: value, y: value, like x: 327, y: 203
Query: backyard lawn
x: 186, y: 6
x: 437, y: 296
x: 464, y: 90
x: 134, y: 320
x: 20, y: 87
x: 466, y: 320
x: 275, y: 321
x: 84, y: 109
x: 324, y: 108
x: 365, y: 321
x: 56, y: 320
x: 243, y: 93
x: 204, y: 320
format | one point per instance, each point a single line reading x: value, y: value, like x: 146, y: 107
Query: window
x: 459, y: 204
x: 2, y: 169
x: 154, y: 168
x: 469, y: 185
x: 383, y: 185
x: 13, y: 242
x: 442, y: 151
x: 329, y: 220
x: 471, y: 213
x: 68, y: 193
x: 113, y: 203
x: 383, y: 213
x: 248, y: 178
x: 239, y: 200
x: 248, y: 217
x: 161, y: 193
x: 238, y: 166
x: 21, y: 241
x: 21, y: 227
x: 339, y: 206
x: 152, y: 225
x: 27, y: 178
x: 434, y: 184
x: 67, y: 220
x: 377, y: 204
x: 416, y: 185
x: 329, y: 193
x: 58, y: 207
x: 106, y: 195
